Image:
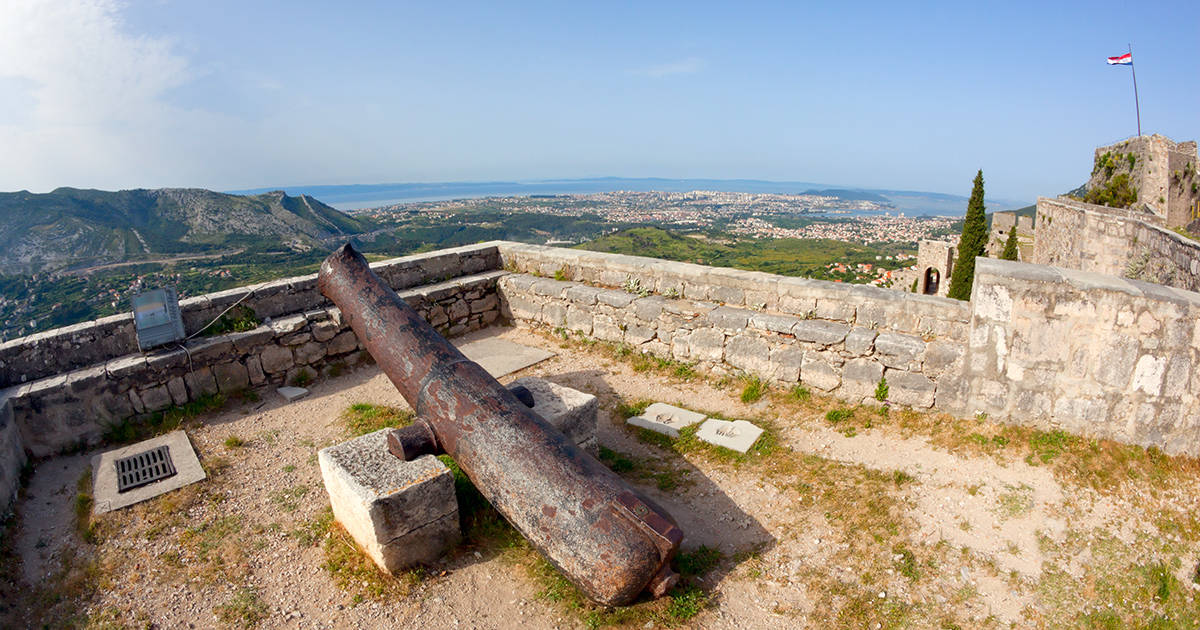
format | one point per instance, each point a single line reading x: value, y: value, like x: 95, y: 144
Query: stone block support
x: 405, y: 513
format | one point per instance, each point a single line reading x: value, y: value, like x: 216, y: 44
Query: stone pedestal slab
x: 405, y: 513
x: 665, y: 419
x: 571, y: 411
x: 400, y: 513
x: 738, y: 435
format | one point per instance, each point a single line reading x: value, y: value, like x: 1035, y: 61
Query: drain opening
x: 143, y: 468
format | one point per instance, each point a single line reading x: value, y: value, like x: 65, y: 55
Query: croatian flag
x: 1123, y: 60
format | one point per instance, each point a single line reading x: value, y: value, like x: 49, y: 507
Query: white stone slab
x: 104, y: 472
x: 665, y: 419
x: 500, y: 356
x: 292, y: 393
x: 738, y: 435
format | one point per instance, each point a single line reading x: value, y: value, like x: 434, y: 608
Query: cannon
x: 602, y: 534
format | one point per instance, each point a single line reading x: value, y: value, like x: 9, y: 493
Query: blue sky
x: 230, y: 95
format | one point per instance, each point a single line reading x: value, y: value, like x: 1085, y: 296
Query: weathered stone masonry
x: 1091, y: 354
x: 75, y: 406
x: 830, y: 356
x: 1113, y: 241
x: 64, y: 349
x: 1037, y: 345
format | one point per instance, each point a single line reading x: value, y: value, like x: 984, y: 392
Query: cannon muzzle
x: 602, y: 534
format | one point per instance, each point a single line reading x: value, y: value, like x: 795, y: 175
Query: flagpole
x: 1136, y: 105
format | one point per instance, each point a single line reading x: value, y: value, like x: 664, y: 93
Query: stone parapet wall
x: 1091, y: 354
x: 859, y: 305
x: 76, y: 407
x: 65, y: 349
x: 12, y: 457
x: 829, y: 355
x: 1114, y: 242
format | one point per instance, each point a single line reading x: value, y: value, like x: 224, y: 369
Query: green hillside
x: 71, y: 227
x: 790, y: 257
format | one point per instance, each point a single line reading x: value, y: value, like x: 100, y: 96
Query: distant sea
x: 357, y: 196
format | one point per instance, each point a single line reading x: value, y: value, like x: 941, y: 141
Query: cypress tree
x: 974, y: 239
x: 1010, y: 246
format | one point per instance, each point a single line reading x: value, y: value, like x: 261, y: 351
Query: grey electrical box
x: 156, y: 316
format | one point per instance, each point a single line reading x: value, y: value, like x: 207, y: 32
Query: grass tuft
x: 698, y: 561
x: 364, y: 418
x: 149, y: 425
x: 244, y: 610
x: 754, y: 389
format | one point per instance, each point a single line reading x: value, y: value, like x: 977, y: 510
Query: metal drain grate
x: 146, y: 467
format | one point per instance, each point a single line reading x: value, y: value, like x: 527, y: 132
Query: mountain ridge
x: 71, y: 227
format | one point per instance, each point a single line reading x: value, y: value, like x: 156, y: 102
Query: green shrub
x: 238, y: 319
x: 1115, y: 193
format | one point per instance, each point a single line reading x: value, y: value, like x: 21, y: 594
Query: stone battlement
x: 1113, y: 241
x: 1162, y: 170
x: 1002, y: 353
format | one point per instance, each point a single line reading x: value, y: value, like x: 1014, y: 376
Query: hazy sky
x: 230, y: 95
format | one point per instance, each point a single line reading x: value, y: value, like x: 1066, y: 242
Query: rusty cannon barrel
x: 603, y: 535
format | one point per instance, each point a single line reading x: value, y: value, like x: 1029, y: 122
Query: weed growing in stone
x: 881, y: 390
x: 302, y: 378
x: 238, y: 319
x: 234, y: 441
x: 800, y: 393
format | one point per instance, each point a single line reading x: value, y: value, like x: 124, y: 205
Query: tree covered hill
x: 72, y: 227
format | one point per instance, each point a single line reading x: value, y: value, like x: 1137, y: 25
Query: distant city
x: 756, y: 215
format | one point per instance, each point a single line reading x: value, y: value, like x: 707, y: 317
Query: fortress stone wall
x: 1091, y: 354
x: 862, y: 305
x: 1163, y: 171
x: 1002, y: 224
x: 1094, y: 354
x: 1115, y: 242
x: 305, y: 334
x: 64, y: 349
x: 839, y: 356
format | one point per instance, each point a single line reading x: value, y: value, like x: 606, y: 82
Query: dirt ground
x: 904, y: 520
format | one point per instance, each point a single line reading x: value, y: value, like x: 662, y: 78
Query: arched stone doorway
x: 932, y: 279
